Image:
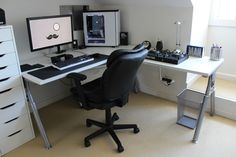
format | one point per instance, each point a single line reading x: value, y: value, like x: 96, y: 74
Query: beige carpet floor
x: 159, y: 136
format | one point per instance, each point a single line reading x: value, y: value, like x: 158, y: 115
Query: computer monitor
x: 49, y: 31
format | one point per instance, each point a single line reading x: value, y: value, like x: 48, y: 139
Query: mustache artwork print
x: 51, y: 36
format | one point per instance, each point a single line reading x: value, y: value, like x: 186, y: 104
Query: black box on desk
x: 123, y: 38
x: 2, y: 17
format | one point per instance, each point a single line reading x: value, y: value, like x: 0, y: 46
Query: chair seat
x: 93, y: 91
x: 94, y: 96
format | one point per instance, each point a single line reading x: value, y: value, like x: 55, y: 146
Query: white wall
x: 153, y: 22
x: 16, y: 14
x: 169, y: 3
x: 201, y: 12
x: 200, y: 18
x: 225, y: 36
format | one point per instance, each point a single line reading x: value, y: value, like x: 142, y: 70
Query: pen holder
x: 216, y: 53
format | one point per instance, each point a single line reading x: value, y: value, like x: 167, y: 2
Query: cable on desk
x: 165, y: 80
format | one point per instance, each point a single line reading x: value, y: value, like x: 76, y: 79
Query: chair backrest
x: 122, y: 67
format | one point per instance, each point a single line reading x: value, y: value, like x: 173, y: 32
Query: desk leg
x: 212, y: 96
x: 36, y: 115
x: 212, y: 112
x: 210, y: 87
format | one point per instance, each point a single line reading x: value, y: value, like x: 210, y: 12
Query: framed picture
x: 195, y: 51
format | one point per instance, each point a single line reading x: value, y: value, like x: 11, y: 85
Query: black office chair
x: 112, y: 89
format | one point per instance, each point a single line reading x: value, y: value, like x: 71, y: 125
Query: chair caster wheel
x: 120, y: 149
x: 136, y: 130
x: 88, y: 124
x: 115, y: 117
x: 87, y: 143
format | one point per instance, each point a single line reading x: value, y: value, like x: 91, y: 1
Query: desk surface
x: 48, y: 74
x: 202, y: 66
x: 45, y: 60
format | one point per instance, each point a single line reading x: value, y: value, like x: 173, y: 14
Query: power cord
x: 165, y: 80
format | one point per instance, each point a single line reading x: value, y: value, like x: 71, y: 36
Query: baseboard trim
x: 223, y: 107
x: 226, y: 76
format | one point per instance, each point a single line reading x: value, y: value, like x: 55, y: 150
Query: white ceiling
x: 170, y: 3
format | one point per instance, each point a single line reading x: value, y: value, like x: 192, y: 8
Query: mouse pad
x: 27, y: 67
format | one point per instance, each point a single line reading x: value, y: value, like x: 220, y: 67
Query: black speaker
x: 75, y: 44
x: 159, y: 45
x: 123, y: 38
x: 2, y: 17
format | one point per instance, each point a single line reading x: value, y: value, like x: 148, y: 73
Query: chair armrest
x: 78, y: 89
x: 77, y: 76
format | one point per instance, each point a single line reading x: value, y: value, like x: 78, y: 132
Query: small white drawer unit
x: 15, y: 123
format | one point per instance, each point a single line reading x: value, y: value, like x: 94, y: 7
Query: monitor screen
x: 49, y: 31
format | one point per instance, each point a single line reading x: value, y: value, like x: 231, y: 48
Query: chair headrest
x: 120, y: 52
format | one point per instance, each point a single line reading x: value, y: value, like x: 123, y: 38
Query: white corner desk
x: 202, y: 66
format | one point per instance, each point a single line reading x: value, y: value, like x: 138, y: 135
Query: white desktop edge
x: 202, y: 66
x: 194, y: 65
x: 54, y: 78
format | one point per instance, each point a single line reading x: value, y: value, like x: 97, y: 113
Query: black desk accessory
x: 167, y: 56
x: 159, y: 45
x: 60, y: 58
x: 2, y: 17
x: 123, y: 38
x: 27, y: 67
x: 75, y: 44
x: 147, y: 44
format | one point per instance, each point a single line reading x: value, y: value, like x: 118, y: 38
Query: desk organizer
x: 189, y: 98
x: 216, y: 53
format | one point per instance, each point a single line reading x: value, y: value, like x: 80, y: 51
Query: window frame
x: 219, y: 22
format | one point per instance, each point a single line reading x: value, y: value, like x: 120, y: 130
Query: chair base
x: 109, y: 127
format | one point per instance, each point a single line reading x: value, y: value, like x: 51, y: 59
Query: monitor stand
x: 59, y: 50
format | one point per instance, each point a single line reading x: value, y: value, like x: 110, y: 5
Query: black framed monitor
x: 49, y: 31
